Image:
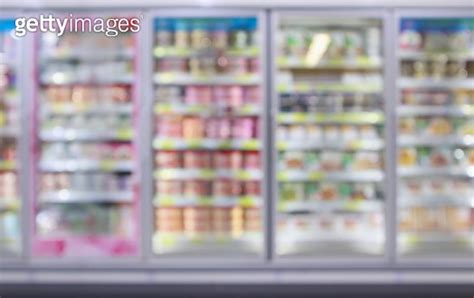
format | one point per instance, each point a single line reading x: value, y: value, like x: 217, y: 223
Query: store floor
x: 223, y: 291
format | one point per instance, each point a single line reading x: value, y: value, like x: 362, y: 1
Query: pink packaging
x: 198, y: 95
x: 169, y: 127
x: 236, y: 96
x: 243, y: 128
x: 225, y: 128
x: 252, y: 94
x: 212, y: 128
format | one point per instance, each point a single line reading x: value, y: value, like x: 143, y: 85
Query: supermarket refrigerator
x: 435, y: 112
x: 330, y: 147
x: 10, y: 111
x: 85, y: 198
x: 208, y: 135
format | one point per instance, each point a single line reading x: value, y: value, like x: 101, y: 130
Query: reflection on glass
x: 207, y: 143
x: 330, y: 138
x: 436, y: 138
x: 87, y: 192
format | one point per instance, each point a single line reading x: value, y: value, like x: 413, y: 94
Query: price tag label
x: 107, y: 165
x: 207, y: 174
x: 250, y: 145
x: 167, y: 240
x: 204, y: 201
x: 353, y: 205
x: 194, y: 143
x: 315, y: 176
x: 243, y: 175
x: 247, y: 202
x: 163, y: 108
x: 167, y: 201
x: 167, y: 77
x: 125, y: 134
x: 282, y: 176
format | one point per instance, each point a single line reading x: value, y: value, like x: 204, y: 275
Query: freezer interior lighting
x: 318, y: 48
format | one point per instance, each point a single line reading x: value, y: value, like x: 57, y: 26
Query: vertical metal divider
x: 266, y: 56
x: 270, y: 119
x: 145, y: 41
x: 390, y: 101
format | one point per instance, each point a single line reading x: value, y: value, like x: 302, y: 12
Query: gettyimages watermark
x: 110, y: 27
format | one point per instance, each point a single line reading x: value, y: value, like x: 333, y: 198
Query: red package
x: 168, y: 159
x: 197, y: 159
x: 252, y: 160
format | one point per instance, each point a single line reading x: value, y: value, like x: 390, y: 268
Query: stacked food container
x: 436, y: 137
x: 208, y: 149
x: 9, y: 131
x: 86, y: 189
x: 330, y: 137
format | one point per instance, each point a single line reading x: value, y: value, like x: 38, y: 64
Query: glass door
x: 208, y: 99
x: 436, y: 137
x: 10, y: 198
x: 329, y: 136
x: 86, y: 187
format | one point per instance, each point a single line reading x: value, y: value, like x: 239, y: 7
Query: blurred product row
x: 350, y: 157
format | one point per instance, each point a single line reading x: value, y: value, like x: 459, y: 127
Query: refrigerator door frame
x: 22, y: 142
x: 63, y: 262
x: 399, y: 14
x: 383, y: 260
x: 226, y: 262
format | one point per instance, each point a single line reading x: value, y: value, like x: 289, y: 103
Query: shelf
x: 415, y: 237
x: 329, y: 87
x: 184, y: 79
x: 355, y: 176
x: 350, y: 117
x: 61, y: 79
x: 418, y: 55
x: 74, y: 109
x: 173, y: 201
x: 7, y: 165
x: 207, y: 174
x: 362, y: 63
x: 170, y: 52
x: 435, y: 200
x: 210, y: 243
x: 206, y: 144
x: 86, y: 54
x: 427, y: 171
x: 332, y: 206
x: 9, y: 204
x: 8, y: 132
x: 186, y: 109
x: 310, y: 144
x: 85, y: 165
x: 63, y: 135
x: 454, y: 111
x: 408, y: 141
x: 443, y: 83
x: 65, y: 196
